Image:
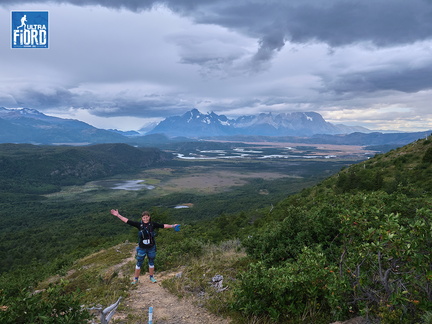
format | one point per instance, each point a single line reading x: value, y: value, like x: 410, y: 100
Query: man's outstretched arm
x: 116, y: 213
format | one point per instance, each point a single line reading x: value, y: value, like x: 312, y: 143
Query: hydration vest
x: 146, y: 234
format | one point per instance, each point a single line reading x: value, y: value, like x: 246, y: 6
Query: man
x: 146, y: 243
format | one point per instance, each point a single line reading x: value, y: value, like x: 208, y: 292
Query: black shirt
x: 146, y: 232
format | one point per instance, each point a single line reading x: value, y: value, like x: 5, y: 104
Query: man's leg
x: 140, y: 255
x: 137, y: 272
x: 151, y: 254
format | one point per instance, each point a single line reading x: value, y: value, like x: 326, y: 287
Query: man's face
x: 146, y: 218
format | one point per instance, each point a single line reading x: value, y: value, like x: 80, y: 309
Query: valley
x: 59, y: 187
x: 215, y: 170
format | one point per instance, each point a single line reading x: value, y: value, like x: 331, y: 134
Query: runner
x: 147, y: 243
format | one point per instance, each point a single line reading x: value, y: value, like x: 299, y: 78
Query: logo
x: 29, y: 29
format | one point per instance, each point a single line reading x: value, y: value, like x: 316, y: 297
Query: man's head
x: 145, y: 217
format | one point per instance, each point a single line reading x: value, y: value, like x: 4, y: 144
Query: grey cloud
x: 146, y: 109
x: 341, y: 24
x: 213, y: 54
x: 398, y: 78
x: 335, y: 22
x: 147, y: 106
x: 233, y: 104
x: 42, y: 98
x: 269, y: 44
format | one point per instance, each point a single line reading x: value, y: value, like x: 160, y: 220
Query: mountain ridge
x: 196, y: 124
x: 30, y: 126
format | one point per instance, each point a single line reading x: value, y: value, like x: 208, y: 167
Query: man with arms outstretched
x: 146, y: 244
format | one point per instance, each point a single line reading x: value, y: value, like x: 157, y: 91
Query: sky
x: 126, y: 64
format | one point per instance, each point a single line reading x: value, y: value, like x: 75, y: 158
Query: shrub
x: 54, y: 305
x: 308, y: 289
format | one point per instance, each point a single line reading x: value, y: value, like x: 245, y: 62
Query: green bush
x: 308, y: 289
x: 386, y: 258
x: 54, y: 305
x: 377, y: 245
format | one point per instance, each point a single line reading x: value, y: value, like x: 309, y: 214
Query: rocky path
x: 167, y: 308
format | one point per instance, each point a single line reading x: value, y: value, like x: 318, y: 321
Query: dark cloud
x: 335, y: 22
x: 42, y: 98
x: 175, y: 55
x: 48, y: 98
x: 148, y: 107
x: 398, y: 78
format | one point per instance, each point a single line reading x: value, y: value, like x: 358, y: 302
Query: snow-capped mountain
x: 195, y: 124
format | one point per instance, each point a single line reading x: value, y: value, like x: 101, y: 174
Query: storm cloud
x: 153, y: 59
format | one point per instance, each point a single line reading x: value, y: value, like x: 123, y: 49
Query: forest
x: 327, y: 248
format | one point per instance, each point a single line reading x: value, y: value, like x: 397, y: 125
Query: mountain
x: 363, y: 139
x: 130, y: 133
x: 195, y: 124
x: 31, y: 126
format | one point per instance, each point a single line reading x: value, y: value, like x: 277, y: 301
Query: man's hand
x: 115, y: 212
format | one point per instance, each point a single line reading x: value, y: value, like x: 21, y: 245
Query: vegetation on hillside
x: 358, y: 243
x: 31, y: 169
x: 337, y: 251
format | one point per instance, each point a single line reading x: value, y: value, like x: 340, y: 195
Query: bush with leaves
x: 54, y: 305
x: 308, y: 289
x: 386, y: 258
x: 377, y: 245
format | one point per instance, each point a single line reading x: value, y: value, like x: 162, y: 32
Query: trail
x: 167, y: 308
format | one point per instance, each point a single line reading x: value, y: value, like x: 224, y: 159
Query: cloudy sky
x: 123, y: 64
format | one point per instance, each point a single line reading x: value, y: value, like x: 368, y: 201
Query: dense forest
x: 32, y: 169
x: 356, y: 244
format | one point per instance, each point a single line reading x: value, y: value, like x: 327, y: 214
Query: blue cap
x: 177, y: 228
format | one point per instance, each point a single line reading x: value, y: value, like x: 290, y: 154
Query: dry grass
x: 194, y: 280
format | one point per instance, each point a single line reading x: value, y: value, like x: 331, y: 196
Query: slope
x: 357, y: 243
x: 30, y: 168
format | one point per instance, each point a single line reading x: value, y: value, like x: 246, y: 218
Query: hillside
x: 27, y: 168
x: 407, y: 168
x: 356, y: 244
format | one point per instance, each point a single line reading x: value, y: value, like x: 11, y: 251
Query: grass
x: 104, y: 276
x: 101, y: 277
x: 194, y: 280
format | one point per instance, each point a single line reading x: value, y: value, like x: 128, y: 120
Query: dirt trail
x: 167, y: 308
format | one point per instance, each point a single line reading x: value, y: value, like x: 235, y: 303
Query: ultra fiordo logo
x: 29, y: 29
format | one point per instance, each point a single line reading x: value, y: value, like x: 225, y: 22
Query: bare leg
x: 137, y: 272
